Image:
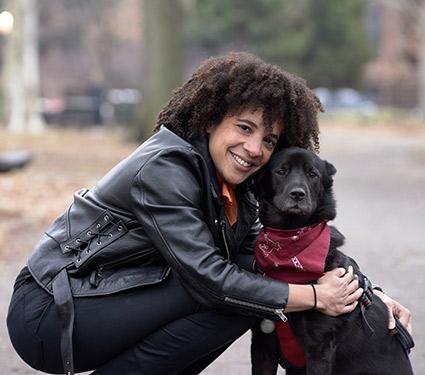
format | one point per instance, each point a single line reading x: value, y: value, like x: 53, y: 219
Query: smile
x: 240, y: 161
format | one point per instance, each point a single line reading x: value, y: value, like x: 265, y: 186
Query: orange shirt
x: 229, y: 200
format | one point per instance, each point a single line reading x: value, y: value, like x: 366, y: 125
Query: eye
x: 244, y: 128
x: 282, y: 171
x: 270, y: 142
x: 312, y: 173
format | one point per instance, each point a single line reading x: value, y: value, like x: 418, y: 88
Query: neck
x: 287, y: 221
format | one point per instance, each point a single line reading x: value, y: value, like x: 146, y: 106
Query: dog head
x: 295, y: 189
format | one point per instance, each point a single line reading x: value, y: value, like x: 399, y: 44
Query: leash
x: 365, y: 301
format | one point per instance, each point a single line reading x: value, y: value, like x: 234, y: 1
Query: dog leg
x: 264, y: 352
x: 321, y: 358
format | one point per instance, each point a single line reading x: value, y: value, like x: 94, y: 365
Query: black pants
x: 153, y: 330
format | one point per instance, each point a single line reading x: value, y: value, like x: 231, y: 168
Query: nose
x: 297, y: 194
x: 254, y: 148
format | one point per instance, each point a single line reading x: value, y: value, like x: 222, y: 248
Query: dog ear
x: 256, y: 183
x: 330, y: 171
x: 330, y: 168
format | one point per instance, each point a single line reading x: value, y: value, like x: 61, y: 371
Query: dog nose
x: 297, y: 194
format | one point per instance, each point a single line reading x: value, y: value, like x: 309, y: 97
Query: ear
x: 330, y: 168
x: 257, y: 186
x: 330, y: 171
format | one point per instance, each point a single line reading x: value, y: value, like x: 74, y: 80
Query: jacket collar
x: 201, y: 145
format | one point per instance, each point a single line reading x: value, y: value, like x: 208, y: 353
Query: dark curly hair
x: 238, y: 81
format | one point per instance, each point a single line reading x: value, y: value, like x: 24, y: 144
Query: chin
x: 235, y: 180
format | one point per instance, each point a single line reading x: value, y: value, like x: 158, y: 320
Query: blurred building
x: 89, y: 44
x: 393, y: 75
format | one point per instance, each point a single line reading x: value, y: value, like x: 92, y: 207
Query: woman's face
x: 240, y: 145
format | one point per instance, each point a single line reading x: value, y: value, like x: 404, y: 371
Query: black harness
x: 399, y: 331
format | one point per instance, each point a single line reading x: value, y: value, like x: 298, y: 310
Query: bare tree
x: 22, y: 67
x: 421, y: 75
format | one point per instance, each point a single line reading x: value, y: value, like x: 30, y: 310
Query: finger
x: 349, y: 308
x: 338, y: 271
x: 353, y: 286
x: 350, y: 271
x: 405, y: 318
x: 407, y: 323
x: 348, y: 277
x: 354, y: 296
x: 391, y: 320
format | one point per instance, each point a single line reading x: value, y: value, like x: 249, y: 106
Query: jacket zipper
x: 223, y: 233
x: 278, y: 312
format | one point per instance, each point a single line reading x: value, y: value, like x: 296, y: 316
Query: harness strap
x: 403, y: 336
x: 365, y: 301
x: 65, y: 309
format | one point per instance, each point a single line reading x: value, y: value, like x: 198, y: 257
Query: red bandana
x: 294, y: 256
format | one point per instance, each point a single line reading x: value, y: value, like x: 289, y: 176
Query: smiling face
x: 241, y: 144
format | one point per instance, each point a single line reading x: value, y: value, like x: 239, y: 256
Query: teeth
x: 241, y: 162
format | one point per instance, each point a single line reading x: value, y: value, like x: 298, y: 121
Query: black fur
x: 295, y: 190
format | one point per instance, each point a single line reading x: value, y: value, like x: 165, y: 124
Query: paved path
x: 380, y: 188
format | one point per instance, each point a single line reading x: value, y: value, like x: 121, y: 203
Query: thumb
x: 391, y: 320
x: 340, y: 271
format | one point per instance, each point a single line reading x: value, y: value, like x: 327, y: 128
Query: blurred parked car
x: 94, y: 107
x: 345, y: 99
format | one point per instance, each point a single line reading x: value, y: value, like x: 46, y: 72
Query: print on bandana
x: 294, y: 256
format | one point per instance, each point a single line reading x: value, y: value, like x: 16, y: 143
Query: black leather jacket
x: 157, y: 212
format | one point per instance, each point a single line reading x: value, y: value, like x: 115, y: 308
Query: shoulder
x: 162, y: 148
x: 165, y: 158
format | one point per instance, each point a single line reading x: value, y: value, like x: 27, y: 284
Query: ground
x: 379, y: 188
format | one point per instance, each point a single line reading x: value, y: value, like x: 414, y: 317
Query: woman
x: 150, y: 272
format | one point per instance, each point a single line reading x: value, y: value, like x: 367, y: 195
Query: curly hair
x: 227, y: 85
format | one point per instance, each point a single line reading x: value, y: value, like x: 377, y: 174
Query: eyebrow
x: 249, y: 122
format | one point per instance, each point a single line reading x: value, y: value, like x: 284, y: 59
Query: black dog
x: 295, y: 191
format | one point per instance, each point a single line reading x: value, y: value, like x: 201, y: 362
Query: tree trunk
x: 421, y: 67
x: 162, y: 70
x: 22, y: 68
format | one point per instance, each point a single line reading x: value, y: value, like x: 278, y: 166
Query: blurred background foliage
x: 117, y: 61
x: 323, y: 41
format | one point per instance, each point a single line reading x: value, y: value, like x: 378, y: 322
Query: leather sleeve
x: 167, y: 196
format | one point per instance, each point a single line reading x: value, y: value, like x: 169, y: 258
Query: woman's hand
x: 397, y: 310
x: 337, y: 292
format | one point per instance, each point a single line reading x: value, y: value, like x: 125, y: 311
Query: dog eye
x: 312, y: 174
x: 282, y: 172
